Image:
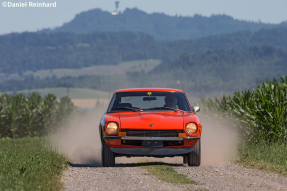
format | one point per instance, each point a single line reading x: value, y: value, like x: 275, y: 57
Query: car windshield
x: 148, y: 101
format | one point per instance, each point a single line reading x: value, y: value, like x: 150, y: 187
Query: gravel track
x: 121, y: 177
x: 132, y: 177
x: 234, y: 177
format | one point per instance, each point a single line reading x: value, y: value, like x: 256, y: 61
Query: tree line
x: 34, y: 51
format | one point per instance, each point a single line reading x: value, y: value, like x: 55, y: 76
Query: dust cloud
x: 219, y: 141
x: 80, y: 142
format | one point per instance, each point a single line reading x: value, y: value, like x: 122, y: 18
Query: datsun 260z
x: 150, y: 122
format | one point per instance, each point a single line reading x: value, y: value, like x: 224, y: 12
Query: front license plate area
x: 152, y: 143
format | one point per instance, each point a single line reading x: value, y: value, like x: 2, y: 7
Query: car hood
x: 152, y: 121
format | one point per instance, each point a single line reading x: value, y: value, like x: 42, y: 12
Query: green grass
x: 166, y: 173
x: 263, y: 156
x: 79, y: 93
x: 121, y: 69
x: 26, y: 164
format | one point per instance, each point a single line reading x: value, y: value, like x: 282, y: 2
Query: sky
x: 20, y: 19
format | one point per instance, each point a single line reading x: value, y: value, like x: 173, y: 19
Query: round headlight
x: 112, y: 128
x: 191, y: 128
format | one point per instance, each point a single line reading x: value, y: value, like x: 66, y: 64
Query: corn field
x: 260, y: 114
x: 32, y: 116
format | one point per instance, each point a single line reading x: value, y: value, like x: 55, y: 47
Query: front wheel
x: 194, y: 157
x: 108, y: 157
x: 185, y: 159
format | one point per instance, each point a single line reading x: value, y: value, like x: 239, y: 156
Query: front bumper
x: 151, y: 151
x: 155, y: 151
x: 153, y: 138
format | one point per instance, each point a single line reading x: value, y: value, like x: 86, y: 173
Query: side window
x: 181, y: 103
x: 112, y: 102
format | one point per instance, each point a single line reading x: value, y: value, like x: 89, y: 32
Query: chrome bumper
x: 153, y: 138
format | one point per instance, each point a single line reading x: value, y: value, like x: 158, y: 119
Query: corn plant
x: 261, y: 114
x: 31, y: 116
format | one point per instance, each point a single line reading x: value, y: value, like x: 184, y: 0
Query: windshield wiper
x: 127, y: 108
x: 167, y: 108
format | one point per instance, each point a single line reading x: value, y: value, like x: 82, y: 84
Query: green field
x: 269, y: 157
x: 74, y: 93
x: 27, y: 164
x: 121, y: 69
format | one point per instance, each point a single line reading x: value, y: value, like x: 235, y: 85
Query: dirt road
x: 132, y: 177
x: 122, y: 177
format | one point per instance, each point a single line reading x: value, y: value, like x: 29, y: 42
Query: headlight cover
x: 191, y: 128
x: 112, y: 128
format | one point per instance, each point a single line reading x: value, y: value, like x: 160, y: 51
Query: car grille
x: 140, y: 133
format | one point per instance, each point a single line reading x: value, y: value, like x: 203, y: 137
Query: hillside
x: 226, y: 66
x: 101, y: 70
x: 216, y: 72
x: 213, y: 72
x: 159, y: 25
x: 33, y: 51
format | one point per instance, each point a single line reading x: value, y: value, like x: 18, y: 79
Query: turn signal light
x: 122, y: 134
x: 181, y: 134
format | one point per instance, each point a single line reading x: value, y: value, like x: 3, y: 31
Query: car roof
x: 149, y: 89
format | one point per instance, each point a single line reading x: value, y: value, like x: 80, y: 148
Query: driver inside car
x: 170, y: 101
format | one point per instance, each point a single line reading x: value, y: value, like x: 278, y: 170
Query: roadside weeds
x: 264, y: 156
x: 28, y: 164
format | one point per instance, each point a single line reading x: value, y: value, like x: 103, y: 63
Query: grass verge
x: 27, y: 164
x: 264, y: 156
x: 166, y: 173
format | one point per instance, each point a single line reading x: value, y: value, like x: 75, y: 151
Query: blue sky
x: 32, y: 19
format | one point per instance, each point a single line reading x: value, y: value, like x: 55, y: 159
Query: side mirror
x: 196, y: 109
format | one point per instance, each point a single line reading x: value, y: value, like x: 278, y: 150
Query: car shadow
x: 146, y: 164
x: 124, y: 165
x: 91, y: 163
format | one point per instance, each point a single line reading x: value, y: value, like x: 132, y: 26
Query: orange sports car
x: 152, y: 122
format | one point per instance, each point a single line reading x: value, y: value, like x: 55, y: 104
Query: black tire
x: 108, y: 157
x: 194, y: 157
x: 185, y: 159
